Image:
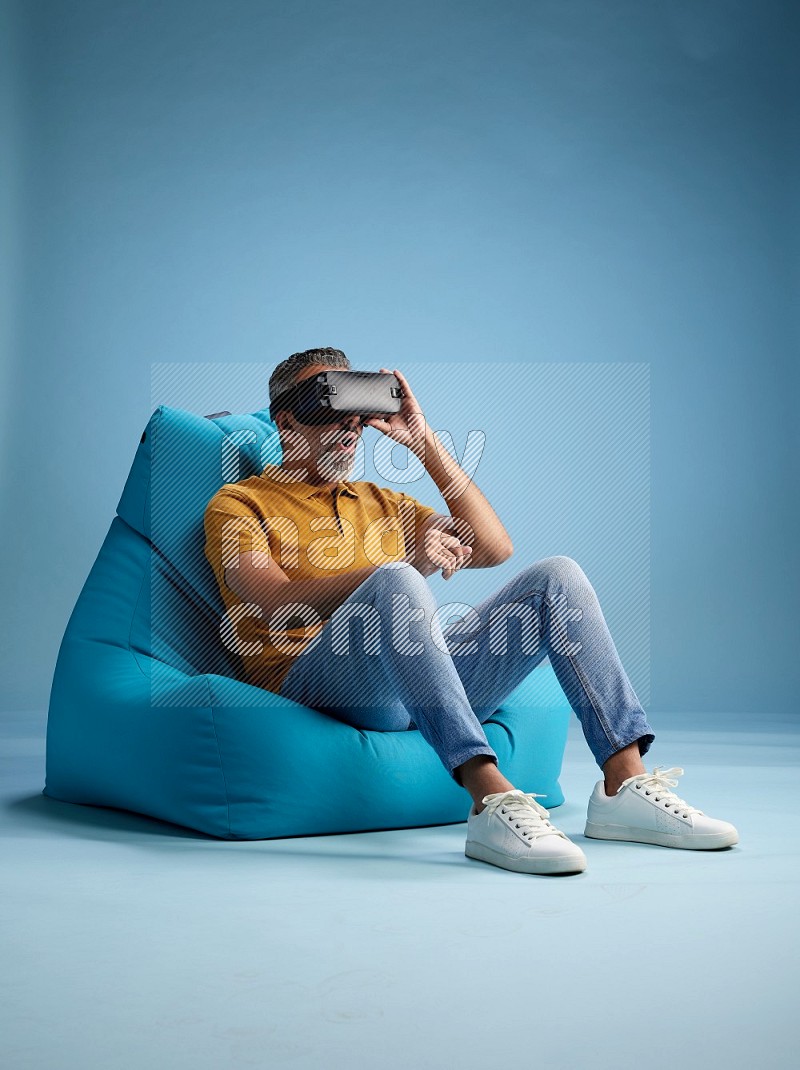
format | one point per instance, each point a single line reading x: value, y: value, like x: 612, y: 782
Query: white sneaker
x: 646, y: 811
x: 512, y: 831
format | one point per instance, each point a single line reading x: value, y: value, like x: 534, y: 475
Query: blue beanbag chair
x: 150, y: 712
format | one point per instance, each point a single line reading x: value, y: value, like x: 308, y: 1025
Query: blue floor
x: 132, y: 944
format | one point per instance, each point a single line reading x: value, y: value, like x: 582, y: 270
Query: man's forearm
x: 323, y: 595
x: 492, y: 543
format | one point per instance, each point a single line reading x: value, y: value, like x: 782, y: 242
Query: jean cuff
x: 644, y: 740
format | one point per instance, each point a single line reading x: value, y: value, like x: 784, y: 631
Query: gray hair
x: 284, y: 375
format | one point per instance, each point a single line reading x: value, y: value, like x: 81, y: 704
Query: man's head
x: 323, y: 460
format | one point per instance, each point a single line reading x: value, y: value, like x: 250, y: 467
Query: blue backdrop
x: 588, y: 211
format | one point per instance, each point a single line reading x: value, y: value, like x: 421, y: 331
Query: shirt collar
x: 300, y: 488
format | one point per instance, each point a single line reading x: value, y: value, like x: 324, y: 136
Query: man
x: 409, y: 672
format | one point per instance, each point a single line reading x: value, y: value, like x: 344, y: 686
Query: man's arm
x: 258, y: 579
x: 471, y: 516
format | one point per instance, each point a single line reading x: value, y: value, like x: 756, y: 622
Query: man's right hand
x: 442, y: 550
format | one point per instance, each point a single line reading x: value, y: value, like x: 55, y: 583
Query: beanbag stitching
x: 130, y: 630
x: 219, y: 751
x: 156, y: 424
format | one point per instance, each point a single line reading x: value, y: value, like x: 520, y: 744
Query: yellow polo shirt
x: 311, y: 532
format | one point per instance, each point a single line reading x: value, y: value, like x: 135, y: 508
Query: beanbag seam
x: 219, y: 751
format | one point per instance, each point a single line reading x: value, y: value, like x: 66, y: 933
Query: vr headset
x: 333, y: 395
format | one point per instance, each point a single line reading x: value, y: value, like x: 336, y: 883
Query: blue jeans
x: 405, y: 671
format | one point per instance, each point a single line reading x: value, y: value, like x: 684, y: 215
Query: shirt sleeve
x: 231, y: 527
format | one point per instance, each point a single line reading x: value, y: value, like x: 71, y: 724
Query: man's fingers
x: 377, y: 422
x: 459, y: 557
x: 462, y: 555
x: 452, y: 540
x: 442, y: 556
x: 446, y: 551
x: 458, y: 548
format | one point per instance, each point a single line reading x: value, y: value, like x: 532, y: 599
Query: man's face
x: 326, y: 452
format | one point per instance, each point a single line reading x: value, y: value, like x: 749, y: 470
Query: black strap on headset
x: 284, y: 400
x: 302, y: 398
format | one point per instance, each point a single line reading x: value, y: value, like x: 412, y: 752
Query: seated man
x: 409, y: 672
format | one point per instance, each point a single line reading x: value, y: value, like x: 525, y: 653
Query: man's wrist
x: 423, y: 449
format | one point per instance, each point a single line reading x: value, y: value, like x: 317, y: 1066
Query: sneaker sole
x: 690, y: 842
x: 545, y: 865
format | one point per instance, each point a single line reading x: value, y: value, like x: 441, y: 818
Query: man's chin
x: 331, y: 468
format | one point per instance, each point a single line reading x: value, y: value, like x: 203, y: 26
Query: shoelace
x: 528, y: 815
x: 658, y: 782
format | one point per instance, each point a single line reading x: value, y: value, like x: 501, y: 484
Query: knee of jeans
x: 402, y: 576
x: 404, y: 583
x: 564, y: 570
